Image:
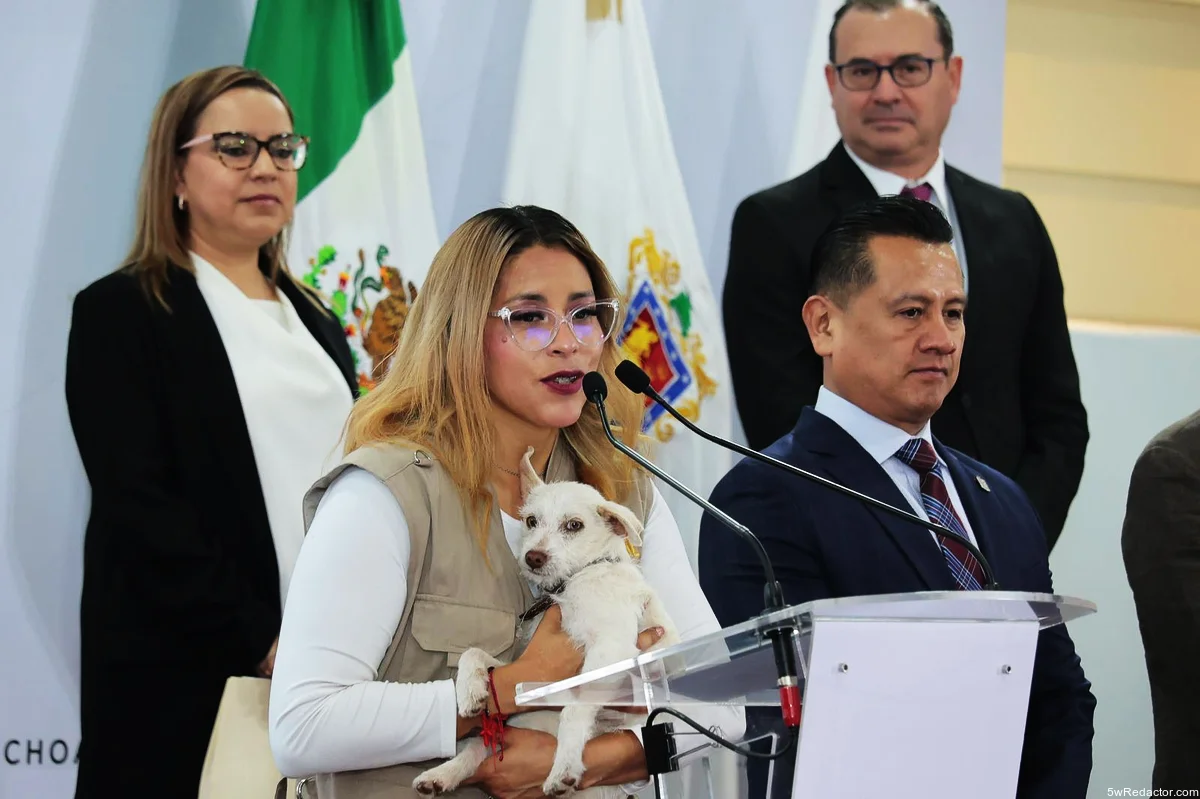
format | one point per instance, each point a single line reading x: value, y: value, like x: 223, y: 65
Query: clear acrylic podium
x: 886, y: 681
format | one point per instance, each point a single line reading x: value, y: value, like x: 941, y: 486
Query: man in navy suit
x: 887, y: 315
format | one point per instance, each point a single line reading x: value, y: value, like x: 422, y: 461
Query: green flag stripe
x: 333, y: 59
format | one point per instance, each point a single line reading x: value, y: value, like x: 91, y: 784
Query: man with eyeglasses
x: 894, y: 78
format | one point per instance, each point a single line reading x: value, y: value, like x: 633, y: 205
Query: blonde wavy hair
x: 161, y: 233
x: 435, y: 394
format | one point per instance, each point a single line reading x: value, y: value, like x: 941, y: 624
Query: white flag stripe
x: 816, y: 127
x: 379, y: 192
x: 377, y: 196
x: 591, y: 141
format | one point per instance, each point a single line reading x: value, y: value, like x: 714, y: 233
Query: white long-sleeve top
x: 328, y: 710
x: 273, y: 356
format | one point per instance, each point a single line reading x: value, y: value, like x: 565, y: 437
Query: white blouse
x: 293, y: 397
x: 328, y: 712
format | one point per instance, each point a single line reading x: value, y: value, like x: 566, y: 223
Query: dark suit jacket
x: 1160, y: 542
x: 1016, y: 405
x: 823, y: 544
x: 181, y: 581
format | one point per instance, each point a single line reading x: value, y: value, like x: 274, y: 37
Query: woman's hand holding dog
x: 528, y: 756
x: 551, y: 656
x: 613, y: 759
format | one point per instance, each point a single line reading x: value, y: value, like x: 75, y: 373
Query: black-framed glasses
x: 862, y: 75
x: 533, y: 327
x: 240, y: 150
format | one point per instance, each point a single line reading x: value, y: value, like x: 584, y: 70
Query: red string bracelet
x: 493, y: 725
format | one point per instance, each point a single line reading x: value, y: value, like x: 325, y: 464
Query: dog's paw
x: 563, y: 781
x: 442, y: 779
x: 428, y: 784
x: 471, y: 684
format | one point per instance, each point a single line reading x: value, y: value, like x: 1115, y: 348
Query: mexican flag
x: 364, y: 232
x: 590, y: 140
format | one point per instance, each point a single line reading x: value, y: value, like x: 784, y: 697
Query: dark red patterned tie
x: 923, y: 192
x: 918, y: 453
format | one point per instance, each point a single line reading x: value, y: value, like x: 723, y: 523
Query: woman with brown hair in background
x: 207, y: 390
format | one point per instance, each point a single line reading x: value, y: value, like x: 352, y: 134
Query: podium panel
x: 935, y: 711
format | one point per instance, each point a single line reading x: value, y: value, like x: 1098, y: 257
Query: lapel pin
x: 983, y: 483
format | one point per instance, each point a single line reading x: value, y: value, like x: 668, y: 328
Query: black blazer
x: 1016, y: 405
x: 823, y: 544
x: 1159, y: 542
x: 179, y: 563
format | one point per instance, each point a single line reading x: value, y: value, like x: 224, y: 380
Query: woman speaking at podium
x: 409, y: 556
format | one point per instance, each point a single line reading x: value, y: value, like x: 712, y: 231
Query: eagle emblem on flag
x: 372, y: 305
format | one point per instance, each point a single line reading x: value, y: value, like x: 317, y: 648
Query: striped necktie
x: 964, y: 568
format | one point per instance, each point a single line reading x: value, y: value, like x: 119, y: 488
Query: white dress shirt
x: 887, y: 183
x: 329, y: 712
x: 881, y: 441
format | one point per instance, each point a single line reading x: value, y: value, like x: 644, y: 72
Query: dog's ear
x: 622, y: 521
x: 530, y: 479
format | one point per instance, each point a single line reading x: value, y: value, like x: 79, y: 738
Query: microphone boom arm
x: 992, y: 585
x: 775, y: 594
x: 782, y: 634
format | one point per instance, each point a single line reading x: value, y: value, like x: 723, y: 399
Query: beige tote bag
x: 239, y: 763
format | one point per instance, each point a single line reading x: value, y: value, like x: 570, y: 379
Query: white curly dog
x: 573, y: 548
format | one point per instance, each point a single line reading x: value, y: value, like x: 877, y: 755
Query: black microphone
x: 637, y: 381
x: 596, y: 390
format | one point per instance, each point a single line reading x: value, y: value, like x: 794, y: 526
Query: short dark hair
x: 945, y: 33
x: 841, y: 259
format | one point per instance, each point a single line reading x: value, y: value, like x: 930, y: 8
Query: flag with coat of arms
x: 590, y: 140
x: 363, y: 233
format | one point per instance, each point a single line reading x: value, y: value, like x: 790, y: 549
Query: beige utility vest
x: 455, y: 600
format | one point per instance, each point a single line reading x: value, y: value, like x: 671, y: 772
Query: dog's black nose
x: 534, y: 559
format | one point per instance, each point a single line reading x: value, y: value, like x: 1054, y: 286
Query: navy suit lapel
x: 975, y: 498
x: 849, y: 464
